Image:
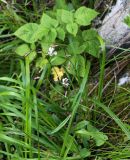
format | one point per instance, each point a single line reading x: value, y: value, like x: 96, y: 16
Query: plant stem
x: 28, y: 107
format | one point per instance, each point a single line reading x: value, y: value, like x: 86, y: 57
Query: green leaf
x: 28, y: 32
x: 48, y: 22
x: 91, y: 42
x: 32, y: 56
x: 127, y: 20
x: 76, y: 66
x: 74, y: 47
x: 57, y: 60
x: 60, y: 33
x: 48, y: 40
x: 81, y: 125
x: 60, y: 4
x: 42, y: 31
x: 64, y: 16
x: 41, y: 62
x: 72, y: 28
x: 99, y: 137
x: 50, y: 37
x: 61, y: 125
x: 84, y: 15
x: 22, y: 50
x: 85, y: 153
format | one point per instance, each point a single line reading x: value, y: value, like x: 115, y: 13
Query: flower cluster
x: 57, y: 73
x: 65, y: 82
x: 51, y: 51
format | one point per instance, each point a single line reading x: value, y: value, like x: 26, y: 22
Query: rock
x: 113, y: 29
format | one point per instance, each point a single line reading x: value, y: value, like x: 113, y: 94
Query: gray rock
x: 113, y: 29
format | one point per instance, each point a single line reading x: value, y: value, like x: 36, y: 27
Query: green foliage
x: 28, y: 32
x: 22, y: 50
x: 72, y: 28
x: 84, y: 16
x: 64, y: 27
x: 46, y: 119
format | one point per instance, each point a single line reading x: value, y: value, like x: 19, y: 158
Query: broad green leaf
x: 84, y: 16
x: 28, y: 32
x: 76, y: 66
x: 60, y: 33
x: 51, y: 35
x: 99, y: 137
x: 64, y: 16
x: 61, y: 125
x: 22, y: 50
x: 48, y: 40
x: 41, y: 62
x: 57, y: 60
x: 91, y: 42
x: 72, y: 28
x: 48, y: 22
x: 75, y: 47
x: 32, y: 56
x: 42, y: 31
x: 85, y: 153
x: 45, y: 45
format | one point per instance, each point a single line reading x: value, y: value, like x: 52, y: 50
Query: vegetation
x: 59, y: 95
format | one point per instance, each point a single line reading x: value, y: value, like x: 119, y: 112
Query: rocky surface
x: 113, y: 29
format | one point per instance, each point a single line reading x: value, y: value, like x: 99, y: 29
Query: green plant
x: 43, y: 118
x: 60, y: 30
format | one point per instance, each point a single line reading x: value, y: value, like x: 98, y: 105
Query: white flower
x: 51, y: 51
x: 65, y: 82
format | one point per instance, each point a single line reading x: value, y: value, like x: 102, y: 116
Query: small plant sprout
x: 57, y: 73
x: 65, y: 82
x: 51, y: 51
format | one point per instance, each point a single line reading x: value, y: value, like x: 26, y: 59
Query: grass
x: 40, y: 119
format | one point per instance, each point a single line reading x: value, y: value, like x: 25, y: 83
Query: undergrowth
x: 59, y: 96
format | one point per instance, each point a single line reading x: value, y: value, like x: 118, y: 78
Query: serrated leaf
x: 91, y: 42
x: 60, y: 33
x: 48, y: 22
x: 75, y: 48
x: 28, y: 32
x: 76, y: 66
x: 72, y: 28
x: 22, y: 50
x: 42, y: 31
x: 84, y: 16
x: 64, y: 16
x: 50, y: 37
